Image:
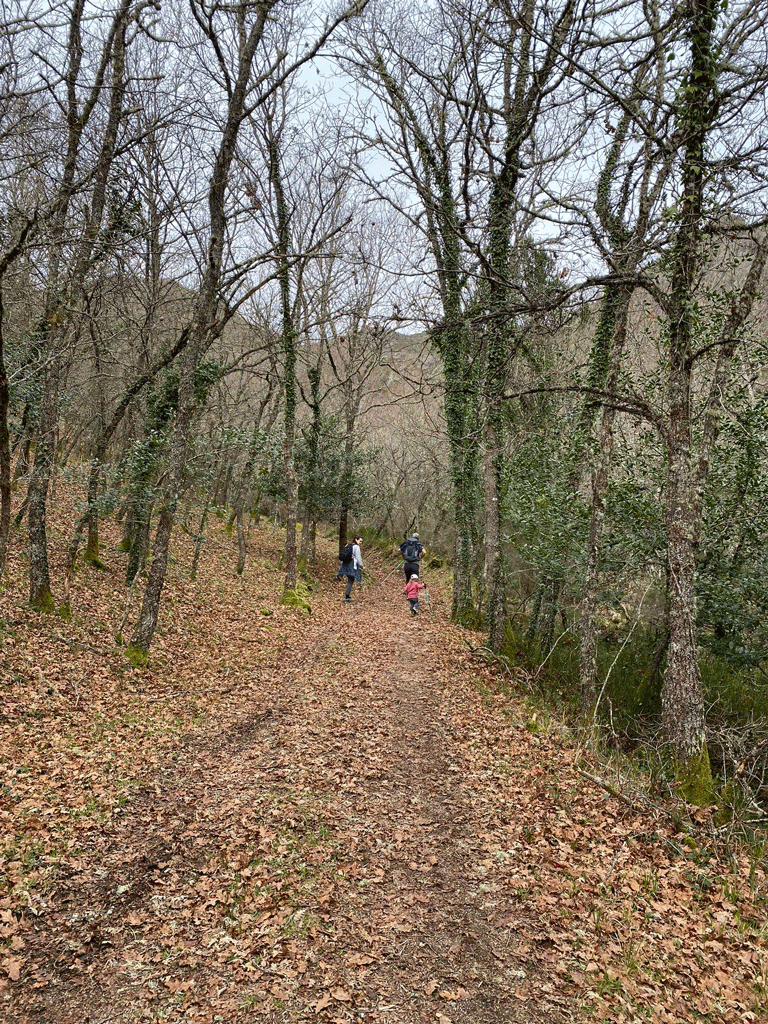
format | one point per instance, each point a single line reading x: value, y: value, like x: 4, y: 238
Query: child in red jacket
x: 412, y: 589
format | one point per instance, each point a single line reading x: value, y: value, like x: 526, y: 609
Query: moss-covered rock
x: 137, y: 656
x: 293, y: 599
x: 297, y: 597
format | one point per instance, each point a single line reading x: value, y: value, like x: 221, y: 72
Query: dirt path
x: 341, y: 817
x: 329, y: 848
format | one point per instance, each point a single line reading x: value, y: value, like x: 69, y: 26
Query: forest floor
x: 333, y: 817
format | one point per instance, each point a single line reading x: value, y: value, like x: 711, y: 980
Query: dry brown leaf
x: 452, y: 996
x: 324, y: 1001
x: 13, y: 968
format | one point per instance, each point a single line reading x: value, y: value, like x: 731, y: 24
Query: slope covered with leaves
x: 340, y: 816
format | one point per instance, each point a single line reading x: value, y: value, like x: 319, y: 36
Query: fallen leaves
x: 268, y: 820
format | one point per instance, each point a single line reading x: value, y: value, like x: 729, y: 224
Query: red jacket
x: 412, y: 589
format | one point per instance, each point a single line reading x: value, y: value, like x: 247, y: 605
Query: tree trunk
x: 140, y: 530
x: 242, y: 549
x: 494, y: 577
x: 350, y: 420
x: 61, y: 299
x: 343, y: 527
x: 289, y: 369
x: 682, y: 698
x: 553, y: 585
x: 5, y: 447
x: 314, y: 373
x: 203, y: 325
x: 11, y: 254
x: 462, y: 431
x: 40, y: 594
x: 618, y: 316
x: 304, y: 549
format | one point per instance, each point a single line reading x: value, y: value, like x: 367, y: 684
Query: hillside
x: 345, y: 816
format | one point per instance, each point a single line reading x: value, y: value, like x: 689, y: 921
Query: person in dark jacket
x: 353, y: 568
x: 412, y: 550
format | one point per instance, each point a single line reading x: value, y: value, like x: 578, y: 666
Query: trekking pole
x: 398, y: 566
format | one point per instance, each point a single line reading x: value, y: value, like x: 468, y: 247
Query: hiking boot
x: 347, y: 600
x: 414, y: 611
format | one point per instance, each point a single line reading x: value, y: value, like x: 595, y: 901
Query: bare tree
x: 234, y: 37
x: 90, y: 92
x: 135, y: 300
x: 462, y: 94
x: 412, y: 67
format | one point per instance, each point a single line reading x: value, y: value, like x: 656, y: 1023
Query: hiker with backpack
x: 412, y: 550
x: 351, y: 566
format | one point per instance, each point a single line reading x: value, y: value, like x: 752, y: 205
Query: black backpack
x: 346, y: 553
x: 411, y: 550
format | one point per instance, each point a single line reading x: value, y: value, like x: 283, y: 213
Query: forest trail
x: 366, y: 827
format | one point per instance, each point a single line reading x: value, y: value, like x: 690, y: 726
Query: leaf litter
x: 334, y: 817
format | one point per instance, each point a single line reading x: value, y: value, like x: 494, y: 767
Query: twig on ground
x: 208, y: 689
x: 103, y: 653
x: 607, y: 787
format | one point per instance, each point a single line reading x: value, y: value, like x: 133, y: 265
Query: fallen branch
x: 607, y: 787
x: 208, y: 689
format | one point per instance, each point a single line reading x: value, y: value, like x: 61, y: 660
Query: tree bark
x: 9, y: 257
x: 203, y: 324
x: 289, y: 367
x: 56, y: 325
x: 600, y: 479
x: 682, y: 697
